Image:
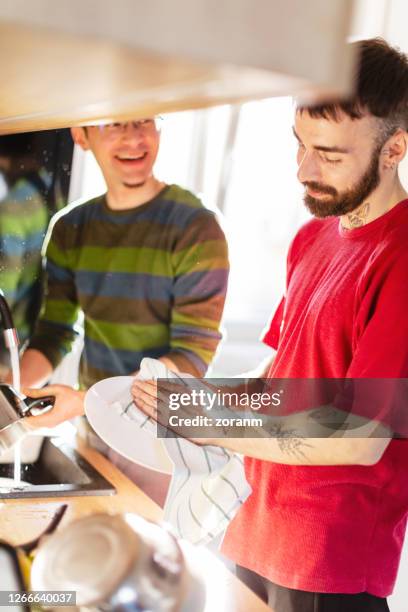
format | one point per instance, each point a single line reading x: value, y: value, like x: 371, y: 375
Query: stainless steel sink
x: 59, y: 472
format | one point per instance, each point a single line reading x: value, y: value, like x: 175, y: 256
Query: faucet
x: 14, y: 406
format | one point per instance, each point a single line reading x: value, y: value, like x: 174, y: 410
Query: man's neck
x: 377, y: 204
x: 122, y: 197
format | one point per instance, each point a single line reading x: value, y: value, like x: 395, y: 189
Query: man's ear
x: 395, y: 149
x: 80, y: 137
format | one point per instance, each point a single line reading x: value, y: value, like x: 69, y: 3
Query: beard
x: 342, y: 203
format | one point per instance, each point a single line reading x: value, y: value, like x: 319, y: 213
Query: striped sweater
x: 150, y: 281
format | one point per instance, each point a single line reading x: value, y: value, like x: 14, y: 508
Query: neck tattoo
x: 358, y: 217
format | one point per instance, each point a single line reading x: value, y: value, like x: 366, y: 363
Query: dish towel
x: 208, y: 484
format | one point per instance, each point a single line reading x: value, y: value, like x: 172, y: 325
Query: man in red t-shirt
x: 324, y: 526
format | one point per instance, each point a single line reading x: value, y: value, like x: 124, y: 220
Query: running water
x: 15, y: 371
x: 17, y: 465
x: 15, y: 367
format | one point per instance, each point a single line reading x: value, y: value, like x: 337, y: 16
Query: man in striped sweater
x: 146, y: 264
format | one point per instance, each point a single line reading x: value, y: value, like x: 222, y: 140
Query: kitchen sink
x: 58, y: 472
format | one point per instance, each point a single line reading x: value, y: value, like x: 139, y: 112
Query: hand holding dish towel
x: 208, y: 484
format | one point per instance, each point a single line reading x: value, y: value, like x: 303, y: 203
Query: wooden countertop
x: 23, y: 519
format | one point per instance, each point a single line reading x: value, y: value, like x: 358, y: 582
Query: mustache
x: 320, y: 188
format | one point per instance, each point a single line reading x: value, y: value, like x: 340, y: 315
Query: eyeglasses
x: 119, y: 128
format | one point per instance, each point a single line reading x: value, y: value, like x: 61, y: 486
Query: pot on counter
x: 115, y: 563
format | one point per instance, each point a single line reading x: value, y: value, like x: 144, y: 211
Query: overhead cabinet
x: 83, y: 61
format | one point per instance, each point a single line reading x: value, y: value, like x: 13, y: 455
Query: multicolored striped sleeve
x: 201, y: 267
x: 55, y: 331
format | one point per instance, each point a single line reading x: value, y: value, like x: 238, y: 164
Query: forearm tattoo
x: 290, y: 442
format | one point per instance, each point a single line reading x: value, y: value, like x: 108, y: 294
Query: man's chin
x: 134, y: 184
x: 320, y: 208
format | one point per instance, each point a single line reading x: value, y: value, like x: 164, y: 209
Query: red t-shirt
x: 345, y: 314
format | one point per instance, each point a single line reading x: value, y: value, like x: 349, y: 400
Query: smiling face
x: 338, y: 162
x: 125, y: 152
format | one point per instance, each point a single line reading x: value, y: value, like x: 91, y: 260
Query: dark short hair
x: 381, y: 88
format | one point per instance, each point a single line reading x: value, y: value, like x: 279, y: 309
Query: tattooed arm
x: 289, y: 440
x: 292, y: 449
x: 315, y: 437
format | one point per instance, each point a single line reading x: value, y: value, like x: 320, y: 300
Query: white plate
x: 123, y: 435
